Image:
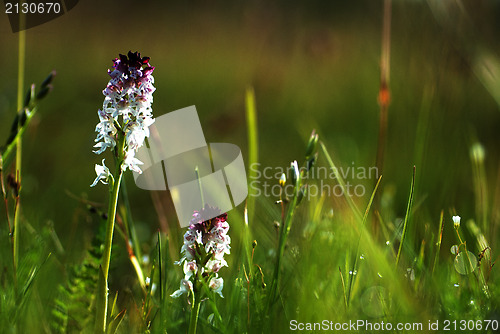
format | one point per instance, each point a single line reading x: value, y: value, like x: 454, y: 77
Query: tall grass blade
x: 407, y: 216
x: 253, y: 146
x: 113, y: 325
x: 160, y: 268
x: 365, y: 217
x: 341, y: 182
x: 113, y: 306
x: 343, y: 288
x: 477, y: 156
x: 129, y: 221
x: 19, y: 150
x: 436, y: 257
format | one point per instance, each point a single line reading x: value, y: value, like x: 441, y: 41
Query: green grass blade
x: 365, y: 217
x: 407, y: 216
x: 113, y: 325
x: 160, y: 267
x: 253, y: 157
x: 113, y: 306
x: 343, y: 287
x: 19, y: 147
x: 23, y: 297
x: 436, y: 257
x: 480, y: 183
x: 149, y: 288
x: 253, y: 146
x: 129, y: 221
x: 341, y: 182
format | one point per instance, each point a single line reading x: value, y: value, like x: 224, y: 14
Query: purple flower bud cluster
x: 205, y: 244
x: 126, y: 109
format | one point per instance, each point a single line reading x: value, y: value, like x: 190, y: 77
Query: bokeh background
x: 313, y: 65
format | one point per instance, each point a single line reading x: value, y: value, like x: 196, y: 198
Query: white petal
x: 95, y: 181
x: 103, y: 174
x: 216, y: 284
x: 177, y: 293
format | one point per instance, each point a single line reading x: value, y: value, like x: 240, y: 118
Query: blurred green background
x: 312, y: 64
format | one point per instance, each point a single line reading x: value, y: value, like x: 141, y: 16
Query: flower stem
x: 195, y: 310
x: 113, y: 201
x: 20, y: 84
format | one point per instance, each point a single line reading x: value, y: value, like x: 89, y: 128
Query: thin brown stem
x: 384, y: 96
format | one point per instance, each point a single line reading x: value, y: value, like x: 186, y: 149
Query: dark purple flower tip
x: 208, y: 217
x: 136, y: 61
x: 134, y: 55
x: 132, y: 60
